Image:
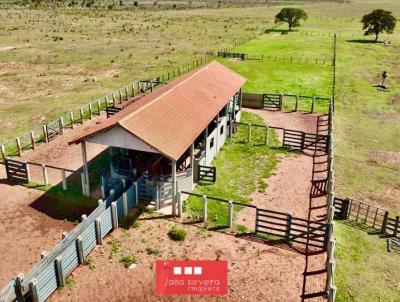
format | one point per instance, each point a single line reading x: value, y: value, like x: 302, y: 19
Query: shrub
x: 153, y: 251
x: 128, y: 260
x: 135, y: 3
x: 177, y: 234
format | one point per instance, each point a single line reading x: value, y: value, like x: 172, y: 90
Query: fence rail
x: 286, y: 101
x: 368, y: 215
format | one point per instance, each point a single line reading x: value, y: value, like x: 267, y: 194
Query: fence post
x: 249, y: 134
x: 97, y: 227
x: 71, y: 117
x: 90, y: 111
x: 79, y: 249
x: 120, y: 95
x: 158, y: 197
x: 329, y: 278
x: 33, y: 290
x: 18, y: 288
x: 230, y: 214
x: 114, y: 216
x: 3, y: 152
x: 33, y: 143
x: 125, y: 203
x: 98, y: 107
x: 18, y: 141
x: 45, y: 176
x: 81, y: 114
x: 332, y: 294
x: 61, y: 125
x: 204, y: 216
x: 288, y: 226
x: 384, y: 223
x: 136, y: 193
x: 28, y: 173
x: 312, y: 105
x: 297, y: 102
x: 126, y: 92
x: 46, y: 139
x: 59, y: 272
x: 280, y: 101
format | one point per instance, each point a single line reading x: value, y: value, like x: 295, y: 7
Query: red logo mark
x: 191, y: 277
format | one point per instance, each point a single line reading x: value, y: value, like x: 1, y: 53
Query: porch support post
x: 85, y: 169
x: 192, y: 161
x: 173, y: 174
x: 240, y: 99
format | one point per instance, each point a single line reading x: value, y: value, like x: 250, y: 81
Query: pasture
x: 87, y: 53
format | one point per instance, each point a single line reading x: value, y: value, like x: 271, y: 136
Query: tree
x: 377, y: 22
x: 291, y: 15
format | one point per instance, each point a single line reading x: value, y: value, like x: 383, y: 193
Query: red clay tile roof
x: 173, y: 116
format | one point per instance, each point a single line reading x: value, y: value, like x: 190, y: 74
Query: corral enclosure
x: 88, y: 53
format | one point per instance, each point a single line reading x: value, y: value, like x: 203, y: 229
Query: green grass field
x: 241, y: 170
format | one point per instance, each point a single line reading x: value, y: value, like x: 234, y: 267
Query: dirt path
x: 257, y: 272
x: 287, y: 190
x: 300, y: 121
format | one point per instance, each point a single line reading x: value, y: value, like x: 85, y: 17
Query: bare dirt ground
x: 24, y: 231
x: 300, y: 121
x: 257, y: 272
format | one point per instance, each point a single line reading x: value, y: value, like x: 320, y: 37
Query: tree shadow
x: 363, y: 41
x: 280, y: 31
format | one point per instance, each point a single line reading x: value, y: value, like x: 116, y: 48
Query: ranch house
x: 166, y: 140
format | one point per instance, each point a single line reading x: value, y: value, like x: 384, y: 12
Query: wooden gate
x: 17, y: 170
x: 53, y: 130
x: 299, y: 140
x: 111, y: 110
x: 207, y: 173
x: 272, y: 101
x: 295, y: 230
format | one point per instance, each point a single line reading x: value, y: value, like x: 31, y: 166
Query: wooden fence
x: 330, y: 186
x: 291, y: 139
x: 41, y: 174
x: 55, y: 266
x: 369, y: 215
x: 292, y: 229
x: 290, y: 59
x: 286, y: 101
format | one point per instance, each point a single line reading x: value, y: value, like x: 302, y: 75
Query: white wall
x: 118, y: 137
